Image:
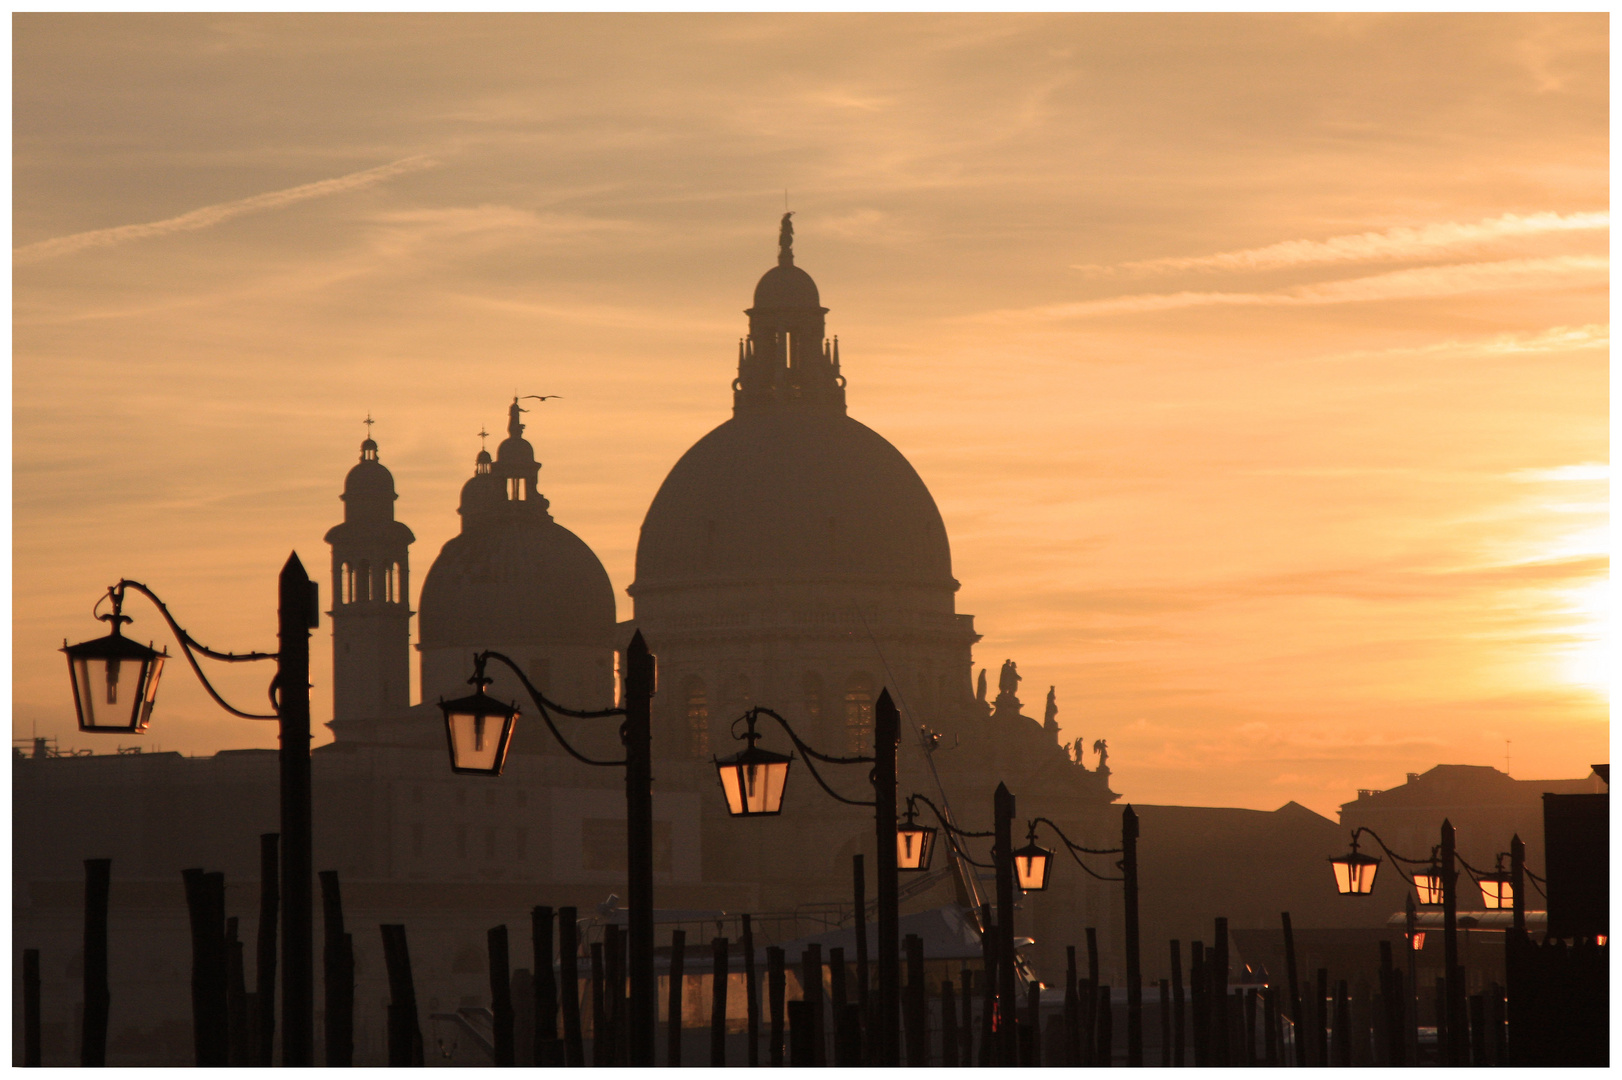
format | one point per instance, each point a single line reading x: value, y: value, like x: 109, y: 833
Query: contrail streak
x: 1391, y: 245
x: 1559, y: 271
x: 212, y: 215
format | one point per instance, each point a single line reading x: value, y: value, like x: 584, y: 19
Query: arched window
x: 346, y: 578
x: 363, y: 580
x: 812, y: 688
x: 859, y: 713
x: 517, y: 489
x: 697, y: 715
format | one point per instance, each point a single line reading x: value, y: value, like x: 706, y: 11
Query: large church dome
x: 791, y: 489
x: 793, y: 496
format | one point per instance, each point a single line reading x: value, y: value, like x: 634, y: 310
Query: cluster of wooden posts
x: 536, y: 1013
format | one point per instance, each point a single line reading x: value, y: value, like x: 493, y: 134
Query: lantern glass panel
x: 914, y: 846
x: 1354, y: 873
x: 479, y: 730
x: 1419, y: 940
x: 1497, y: 892
x: 1031, y: 866
x: 115, y: 683
x: 753, y: 782
x: 1428, y: 884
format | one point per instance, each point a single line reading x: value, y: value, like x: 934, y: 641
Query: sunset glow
x: 1258, y: 364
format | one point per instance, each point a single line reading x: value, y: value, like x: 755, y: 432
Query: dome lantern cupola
x: 787, y: 361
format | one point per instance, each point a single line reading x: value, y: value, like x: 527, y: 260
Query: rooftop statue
x: 1050, y: 722
x: 785, y: 241
x: 1101, y: 748
x: 1008, y: 681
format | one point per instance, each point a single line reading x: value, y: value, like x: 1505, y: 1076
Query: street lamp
x: 1497, y: 888
x: 753, y: 782
x: 107, y: 667
x: 1428, y: 884
x: 753, y: 779
x: 478, y: 730
x: 914, y: 843
x: 1031, y: 864
x: 1354, y: 872
x: 113, y: 674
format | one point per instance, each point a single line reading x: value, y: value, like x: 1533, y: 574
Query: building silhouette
x: 791, y: 558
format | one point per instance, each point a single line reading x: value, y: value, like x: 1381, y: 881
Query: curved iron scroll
x: 545, y: 705
x: 1073, y: 848
x: 189, y: 645
x: 799, y: 744
x: 1397, y: 860
x: 952, y: 832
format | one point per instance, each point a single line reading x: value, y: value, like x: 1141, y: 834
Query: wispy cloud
x: 1558, y: 271
x: 212, y: 215
x: 1393, y: 245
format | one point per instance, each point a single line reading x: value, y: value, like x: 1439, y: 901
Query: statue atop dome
x: 1050, y: 723
x: 785, y: 241
x: 1007, y: 705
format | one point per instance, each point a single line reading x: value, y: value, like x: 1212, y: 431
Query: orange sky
x: 1259, y: 365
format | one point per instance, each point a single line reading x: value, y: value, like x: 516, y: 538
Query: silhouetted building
x: 1487, y: 808
x: 791, y: 558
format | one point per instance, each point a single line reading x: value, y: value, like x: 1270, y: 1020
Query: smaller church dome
x: 481, y: 494
x: 369, y: 487
x: 787, y: 287
x: 515, y: 451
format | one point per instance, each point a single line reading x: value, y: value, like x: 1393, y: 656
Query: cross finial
x: 483, y: 435
x: 368, y: 422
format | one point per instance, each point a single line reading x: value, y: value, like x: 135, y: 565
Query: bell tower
x: 371, y: 581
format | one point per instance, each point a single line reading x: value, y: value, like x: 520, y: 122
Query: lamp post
x: 753, y: 781
x: 100, y: 671
x: 478, y: 732
x: 1128, y: 851
x: 1028, y: 868
x: 1354, y: 876
x: 1002, y: 809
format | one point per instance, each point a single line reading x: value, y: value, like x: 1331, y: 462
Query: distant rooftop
x: 1467, y: 785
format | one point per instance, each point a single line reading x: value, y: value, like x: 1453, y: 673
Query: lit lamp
x: 1497, y: 892
x: 753, y: 779
x: 1428, y: 884
x: 479, y: 730
x: 1417, y: 942
x: 914, y: 844
x: 1031, y: 865
x: 1354, y: 872
x: 115, y: 680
